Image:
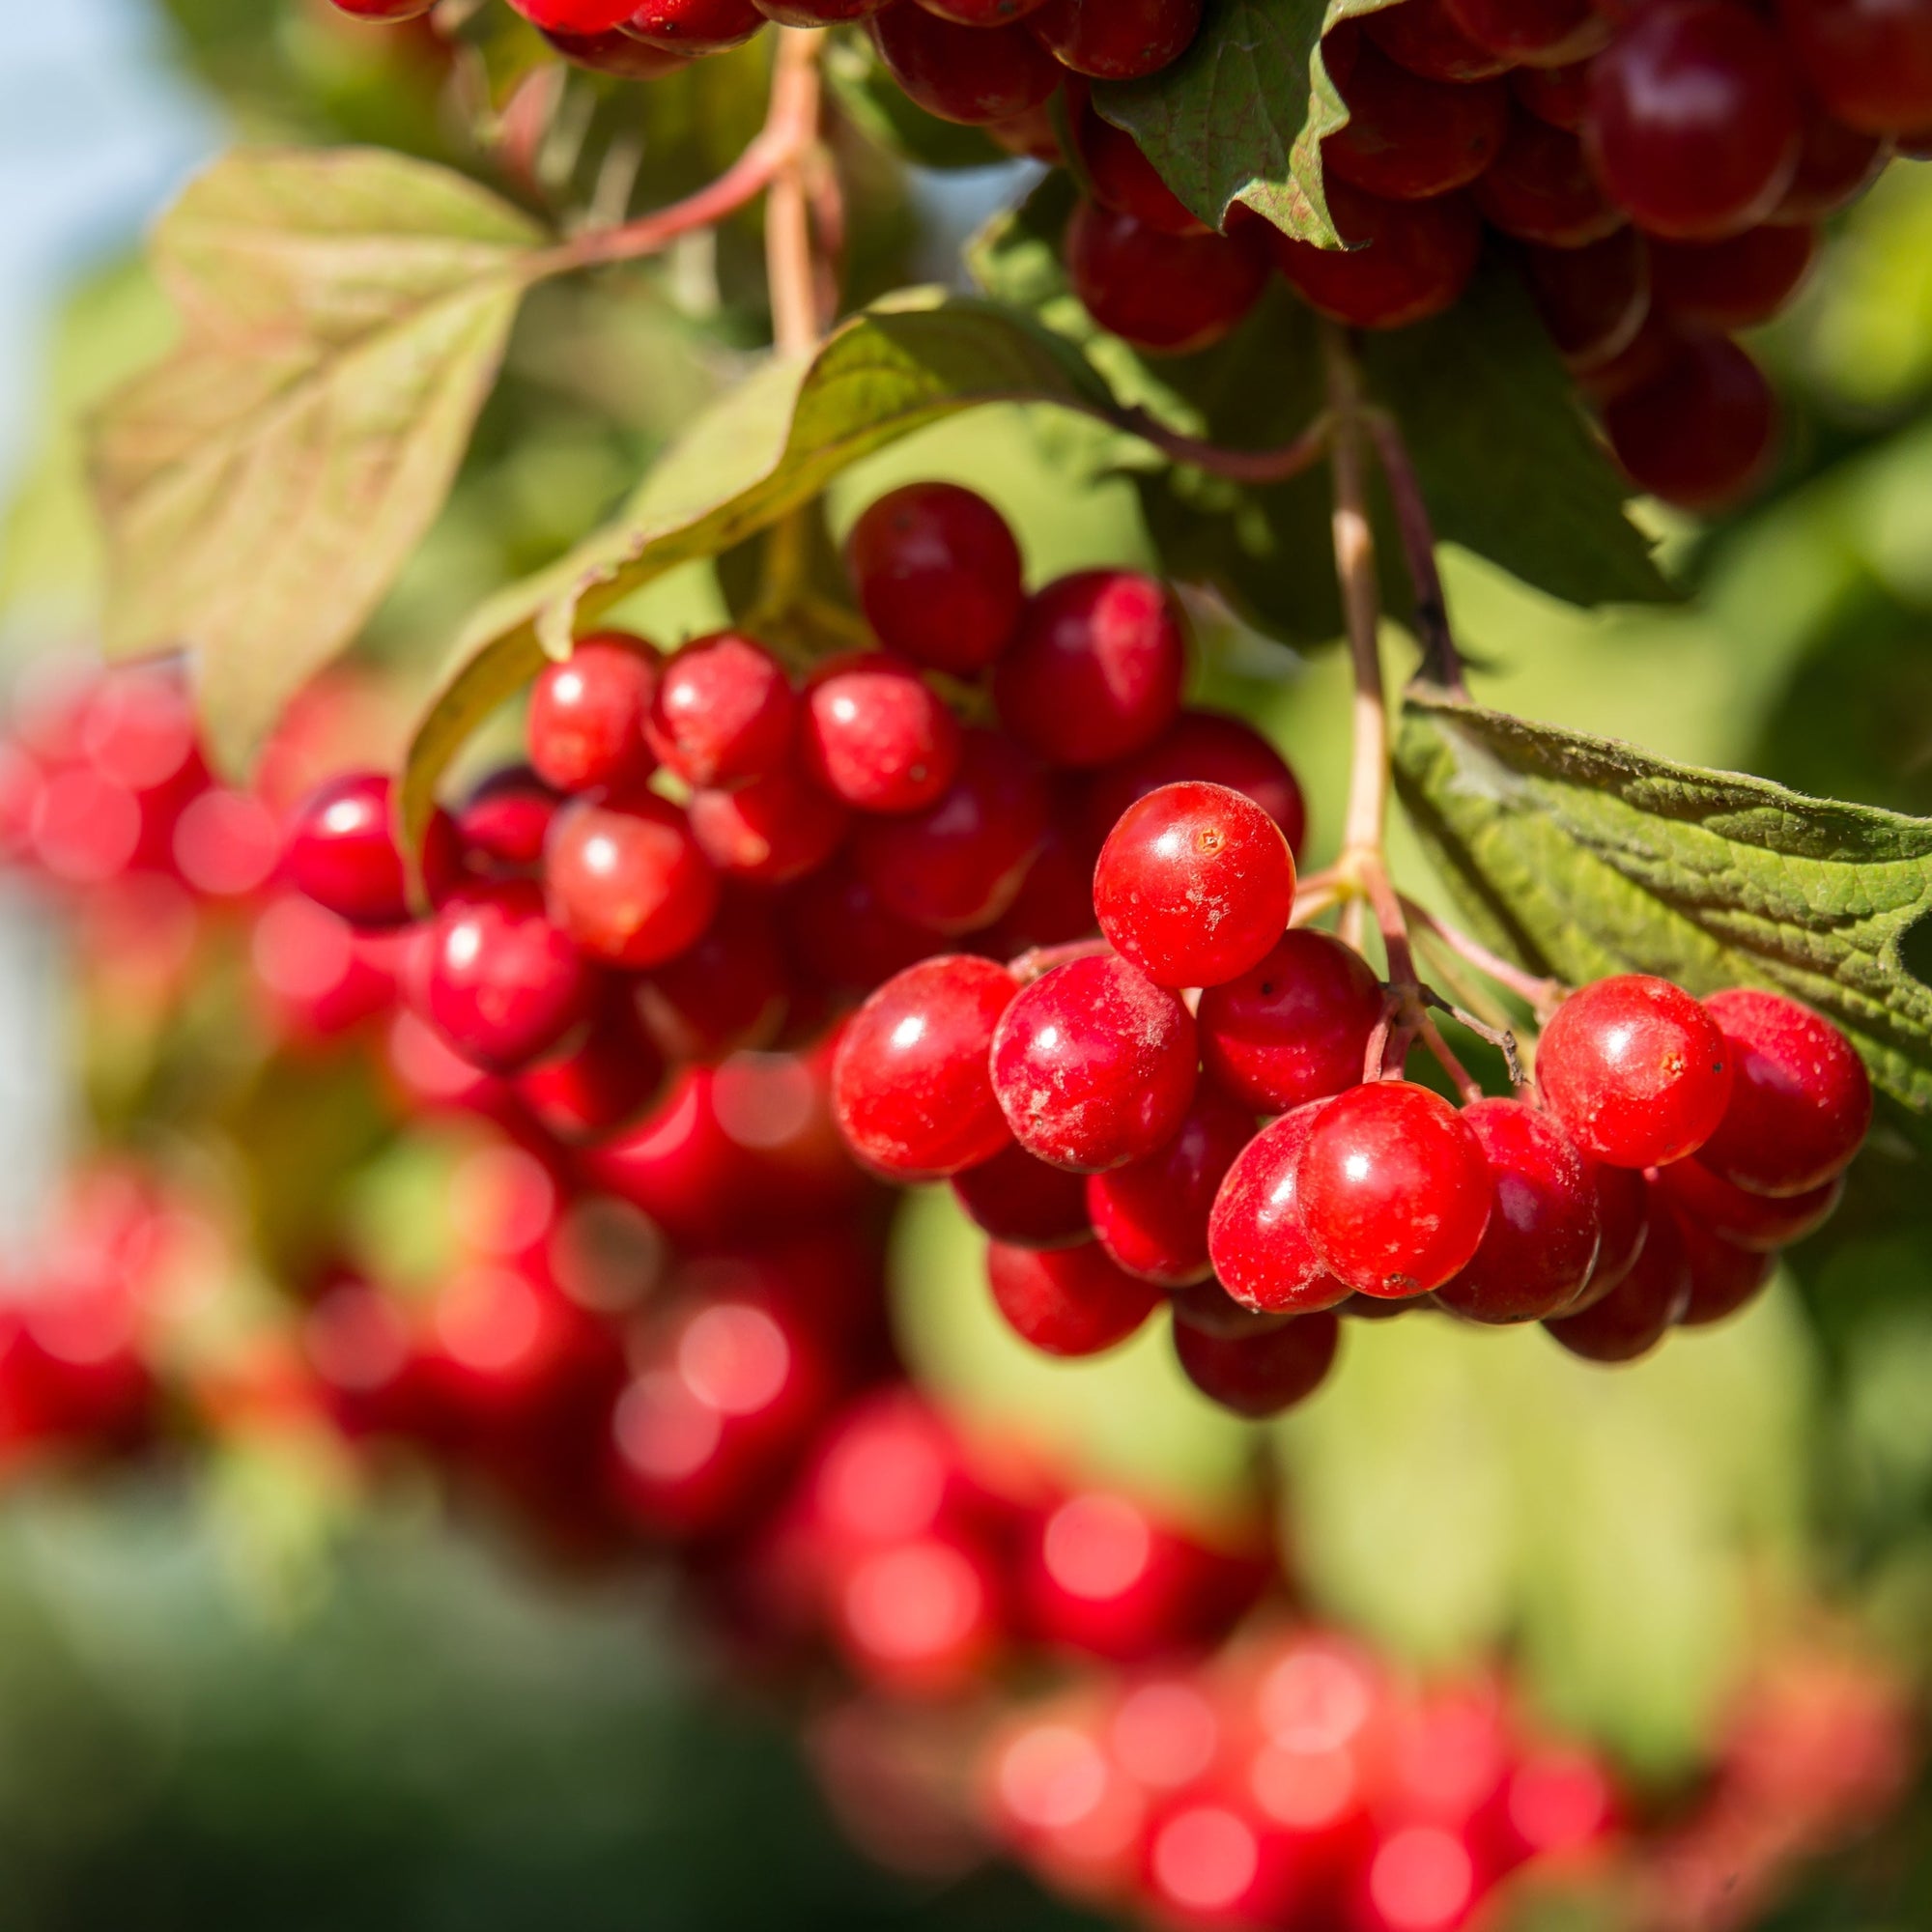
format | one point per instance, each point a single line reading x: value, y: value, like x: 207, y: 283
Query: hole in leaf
x: 1915, y: 949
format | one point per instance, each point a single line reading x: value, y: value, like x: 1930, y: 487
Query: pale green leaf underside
x: 1583, y: 857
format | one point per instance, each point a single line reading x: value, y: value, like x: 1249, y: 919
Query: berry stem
x: 1441, y: 662
x: 1542, y: 995
x: 1238, y: 465
x: 793, y: 271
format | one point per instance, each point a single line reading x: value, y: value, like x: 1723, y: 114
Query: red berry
x: 1802, y: 1102
x: 1151, y: 1215
x: 1701, y: 433
x: 1054, y: 905
x: 1836, y: 166
x: 818, y: 12
x: 1761, y: 1222
x: 1260, y: 1251
x: 605, y: 1081
x: 1732, y: 284
x: 384, y: 10
x: 616, y: 54
x: 971, y: 74
x: 1260, y: 1376
x: 1405, y: 259
x: 587, y: 718
x: 1535, y: 32
x: 1120, y: 177
x: 919, y: 1618
x: 1635, y: 1069
x: 1724, y: 1276
x: 1067, y: 1301
x: 1695, y: 119
x: 1194, y: 885
x: 724, y: 712
x: 1392, y: 1189
x: 726, y: 992
x: 1870, y: 59
x: 1204, y: 745
x: 1295, y: 1026
x: 1095, y: 1065
x: 627, y: 880
x: 1623, y: 1214
x: 1407, y: 138
x: 1422, y: 36
x: 1558, y: 95
x: 1541, y: 1243
x: 1118, y: 39
x: 1165, y: 292
x: 840, y: 930
x: 1592, y: 300
x: 575, y: 16
x: 498, y: 980
x: 910, y: 1085
x: 957, y: 866
x: 505, y: 821
x: 1648, y: 355
x: 1208, y: 1306
x: 1635, y: 1316
x: 981, y: 12
x: 938, y: 575
x: 1540, y: 188
x: 777, y: 829
x: 693, y: 26
x: 1097, y: 671
x: 876, y: 735
x: 1025, y: 1202
x: 342, y: 853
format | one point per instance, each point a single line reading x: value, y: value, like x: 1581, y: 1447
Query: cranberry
x: 1095, y: 1065
x: 938, y: 575
x: 342, y: 852
x: 1724, y: 1276
x: 1067, y: 1301
x: 1540, y: 188
x: 1636, y: 1315
x: 776, y: 830
x: 1623, y: 1214
x: 1735, y: 283
x: 1558, y: 95
x: 627, y: 881
x: 971, y: 75
x: 1208, y: 1306
x: 845, y: 934
x: 693, y: 26
x: 726, y: 992
x: 616, y: 54
x: 1097, y: 671
x: 1423, y: 37
x: 1260, y: 1376
x: 1392, y: 1189
x: 1409, y: 138
x: 1168, y: 294
x: 1802, y: 1102
x: 722, y: 712
x: 586, y: 716
x: 1635, y: 1069
x: 1054, y: 905
x: 1295, y: 1026
x: 1260, y: 1251
x: 1120, y: 177
x: 1761, y: 1222
x: 1118, y: 39
x: 505, y: 821
x: 1836, y: 166
x: 575, y: 16
x: 1405, y: 260
x: 876, y: 735
x: 1701, y: 433
x: 605, y: 1081
x: 1534, y: 33
x: 1870, y: 59
x: 1209, y: 745
x: 1593, y: 300
x: 1024, y: 1201
x: 909, y: 1082
x: 1541, y: 1243
x: 1151, y: 1215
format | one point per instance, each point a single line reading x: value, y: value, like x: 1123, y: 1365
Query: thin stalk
x: 1442, y: 663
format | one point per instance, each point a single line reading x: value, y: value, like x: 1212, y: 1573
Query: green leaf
x: 1241, y: 116
x: 343, y: 316
x: 761, y: 450
x: 1581, y: 857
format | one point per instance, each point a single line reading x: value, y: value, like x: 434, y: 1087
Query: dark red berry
x: 1558, y: 95
x: 1208, y: 1306
x: 616, y: 54
x: 1724, y: 1276
x: 1623, y: 1214
x: 585, y: 727
x: 1295, y: 1026
x: 1540, y: 188
x: 1120, y: 176
x: 1256, y: 1240
x: 844, y: 934
x: 1095, y: 1065
x: 505, y: 821
x: 1533, y: 32
x: 1407, y: 138
x: 1701, y: 433
x: 627, y: 880
x: 1836, y: 166
x: 724, y: 992
x: 1259, y: 1376
x: 1206, y: 745
x: 1592, y: 300
x: 1869, y: 60
x: 819, y: 13
x: 1097, y: 671
x: 693, y: 26
x: 910, y: 1083
x: 1151, y: 1215
x: 1168, y: 294
x: 981, y: 12
x: 384, y: 10
x: 1024, y: 1201
x: 1761, y: 1222
x: 1067, y: 1301
x: 1732, y: 284
x: 724, y: 712
x: 1636, y: 1315
x: 1405, y: 260
x: 574, y: 17
x: 1392, y: 1189
x: 1422, y: 36
x: 971, y: 75
x: 776, y: 830
x: 606, y: 1080
x: 1117, y: 40
x: 938, y: 575
x: 1541, y: 1243
x: 1801, y: 1101
x: 876, y: 735
x: 341, y: 852
x: 1055, y: 902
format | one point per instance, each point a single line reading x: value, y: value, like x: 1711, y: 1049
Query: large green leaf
x: 1583, y: 857
x: 343, y: 316
x: 764, y: 449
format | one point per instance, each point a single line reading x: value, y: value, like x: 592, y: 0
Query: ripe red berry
x: 1623, y: 1214
x: 498, y: 980
x: 1801, y: 1101
x: 1096, y: 669
x: 776, y: 830
x: 1702, y: 432
x: 1541, y: 1243
x: 1295, y: 1026
x: 587, y: 717
x: 1763, y: 1222
x: 1558, y: 95
x: 384, y: 10
x: 1405, y: 260
x: 1095, y: 1065
x: 981, y: 12
x: 575, y: 16
x: 1870, y: 59
x: 819, y: 13
x: 1025, y: 1202
x: 1732, y: 284
x: 1121, y: 176
x: 971, y: 74
x: 627, y: 880
x: 1592, y: 300
x: 958, y: 865
x: 938, y: 575
x: 1533, y: 32
x: 504, y: 820
x: 1635, y: 1069
x: 910, y: 1085
x: 1204, y: 745
x: 616, y: 54
x: 1151, y: 1215
x: 603, y: 1083
x: 1636, y: 1315
x: 693, y: 26
x: 341, y: 852
x: 1054, y: 905
x: 1194, y: 885
x: 1724, y: 1276
x: 1067, y: 1301
x: 844, y: 934
x: 1695, y: 119
x: 1423, y: 37
x: 722, y: 712
x: 1117, y: 40
x: 1836, y: 166
x: 726, y: 992
x: 1165, y: 292
x: 1255, y: 1240
x: 1392, y: 1189
x: 876, y: 735
x: 1208, y: 1306
x: 1407, y: 138
x: 1259, y: 1376
x: 1540, y: 188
